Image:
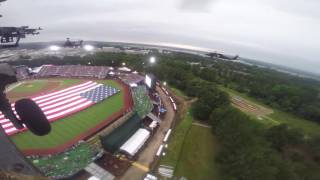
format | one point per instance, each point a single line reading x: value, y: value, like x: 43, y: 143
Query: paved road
x: 147, y: 156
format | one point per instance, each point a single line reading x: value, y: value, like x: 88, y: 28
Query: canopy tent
x: 154, y: 118
x: 153, y: 124
x: 135, y: 142
x: 124, y: 69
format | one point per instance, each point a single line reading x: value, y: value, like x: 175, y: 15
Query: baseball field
x: 70, y: 129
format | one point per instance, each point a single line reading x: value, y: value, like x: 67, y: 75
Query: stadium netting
x: 113, y: 141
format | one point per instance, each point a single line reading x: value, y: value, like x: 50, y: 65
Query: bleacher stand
x: 99, y: 72
x: 22, y: 73
x: 132, y: 78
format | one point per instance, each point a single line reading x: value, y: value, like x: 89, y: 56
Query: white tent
x: 93, y: 178
x: 111, y: 73
x: 124, y: 69
x: 135, y: 142
x: 133, y: 85
x: 153, y: 124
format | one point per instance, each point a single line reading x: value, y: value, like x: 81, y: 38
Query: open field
x: 70, y: 127
x: 177, y: 92
x: 176, y: 141
x: 269, y: 116
x: 191, y: 151
x: 197, y: 159
x: 250, y: 107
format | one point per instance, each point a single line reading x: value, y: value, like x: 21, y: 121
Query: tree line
x: 248, y: 149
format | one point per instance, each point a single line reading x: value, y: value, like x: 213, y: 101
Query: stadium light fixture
x: 54, y: 48
x: 165, y: 83
x: 152, y: 60
x: 88, y: 47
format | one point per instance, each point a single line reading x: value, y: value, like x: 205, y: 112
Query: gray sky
x: 284, y: 32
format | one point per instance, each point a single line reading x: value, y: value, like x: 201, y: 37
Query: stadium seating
x: 99, y: 72
x: 22, y: 72
x: 132, y: 78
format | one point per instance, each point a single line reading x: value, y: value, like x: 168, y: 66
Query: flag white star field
x: 59, y: 104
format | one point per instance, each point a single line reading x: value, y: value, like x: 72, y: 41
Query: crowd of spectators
x: 99, y: 72
x: 22, y: 73
x: 132, y: 78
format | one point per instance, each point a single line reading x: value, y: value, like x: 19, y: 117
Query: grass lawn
x: 309, y: 127
x: 176, y: 141
x: 197, y: 159
x: 177, y: 91
x: 278, y: 117
x: 191, y: 151
x: 68, y: 128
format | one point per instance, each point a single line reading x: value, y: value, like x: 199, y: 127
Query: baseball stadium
x: 93, y: 111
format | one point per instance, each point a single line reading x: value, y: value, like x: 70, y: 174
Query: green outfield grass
x: 30, y: 86
x: 70, y: 127
x: 197, y: 159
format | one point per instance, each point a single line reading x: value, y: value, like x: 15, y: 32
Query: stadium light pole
x: 165, y: 83
x: 152, y: 60
x: 54, y: 48
x: 88, y: 47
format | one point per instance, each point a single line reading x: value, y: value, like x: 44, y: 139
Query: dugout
x: 113, y: 141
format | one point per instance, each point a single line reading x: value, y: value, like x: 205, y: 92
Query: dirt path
x: 250, y: 107
x: 201, y: 124
x: 147, y: 156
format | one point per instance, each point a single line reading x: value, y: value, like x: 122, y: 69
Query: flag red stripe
x: 61, y: 91
x: 57, y: 105
x: 64, y: 93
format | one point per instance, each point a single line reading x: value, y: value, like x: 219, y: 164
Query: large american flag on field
x: 59, y: 104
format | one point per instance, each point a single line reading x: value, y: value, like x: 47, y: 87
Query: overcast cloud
x: 284, y: 32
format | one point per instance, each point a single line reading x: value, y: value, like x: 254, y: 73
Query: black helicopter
x: 10, y: 36
x: 222, y: 56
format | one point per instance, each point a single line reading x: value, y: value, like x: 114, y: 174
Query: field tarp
x: 113, y: 141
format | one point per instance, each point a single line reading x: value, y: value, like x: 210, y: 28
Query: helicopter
x: 10, y: 36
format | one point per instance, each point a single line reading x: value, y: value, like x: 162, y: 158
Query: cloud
x: 304, y: 8
x: 196, y: 5
x: 271, y: 30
